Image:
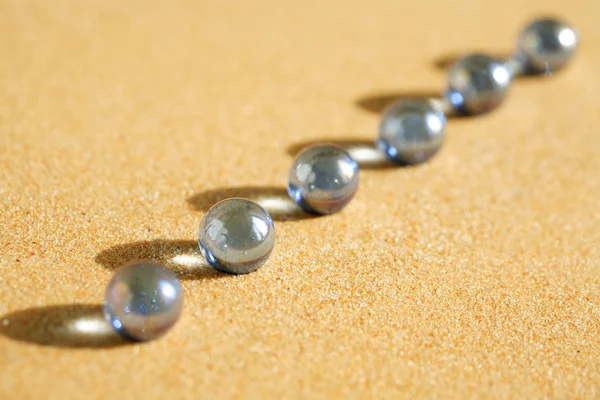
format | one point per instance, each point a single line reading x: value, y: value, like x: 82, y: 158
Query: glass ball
x: 477, y: 83
x: 411, y: 131
x: 546, y: 44
x: 143, y: 301
x: 323, y: 179
x: 236, y: 236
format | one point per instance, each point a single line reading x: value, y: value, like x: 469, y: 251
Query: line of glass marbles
x: 144, y: 300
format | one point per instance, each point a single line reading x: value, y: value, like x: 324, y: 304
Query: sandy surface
x: 475, y: 275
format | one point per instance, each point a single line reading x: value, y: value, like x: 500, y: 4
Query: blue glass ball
x: 546, y: 44
x: 411, y: 131
x: 143, y: 301
x: 478, y: 83
x: 236, y: 236
x: 323, y: 179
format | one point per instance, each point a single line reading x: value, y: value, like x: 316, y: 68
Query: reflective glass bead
x: 236, y: 236
x: 411, y: 131
x: 323, y: 179
x: 478, y: 83
x: 143, y: 301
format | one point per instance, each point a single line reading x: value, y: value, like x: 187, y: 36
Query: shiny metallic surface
x: 236, y: 236
x: 143, y: 301
x: 545, y: 45
x: 411, y: 131
x: 323, y: 179
x: 478, y: 83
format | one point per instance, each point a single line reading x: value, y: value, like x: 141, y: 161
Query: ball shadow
x: 180, y: 256
x: 274, y: 200
x: 363, y: 151
x: 380, y: 101
x: 445, y: 61
x: 67, y: 325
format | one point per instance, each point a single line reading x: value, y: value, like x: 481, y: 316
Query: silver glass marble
x: 477, y: 83
x: 323, y: 179
x: 411, y: 131
x: 545, y: 45
x: 236, y: 236
x: 143, y: 301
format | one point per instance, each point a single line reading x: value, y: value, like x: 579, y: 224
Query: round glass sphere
x: 545, y: 45
x: 143, y: 301
x: 477, y: 83
x: 323, y: 179
x: 411, y: 131
x: 236, y: 236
